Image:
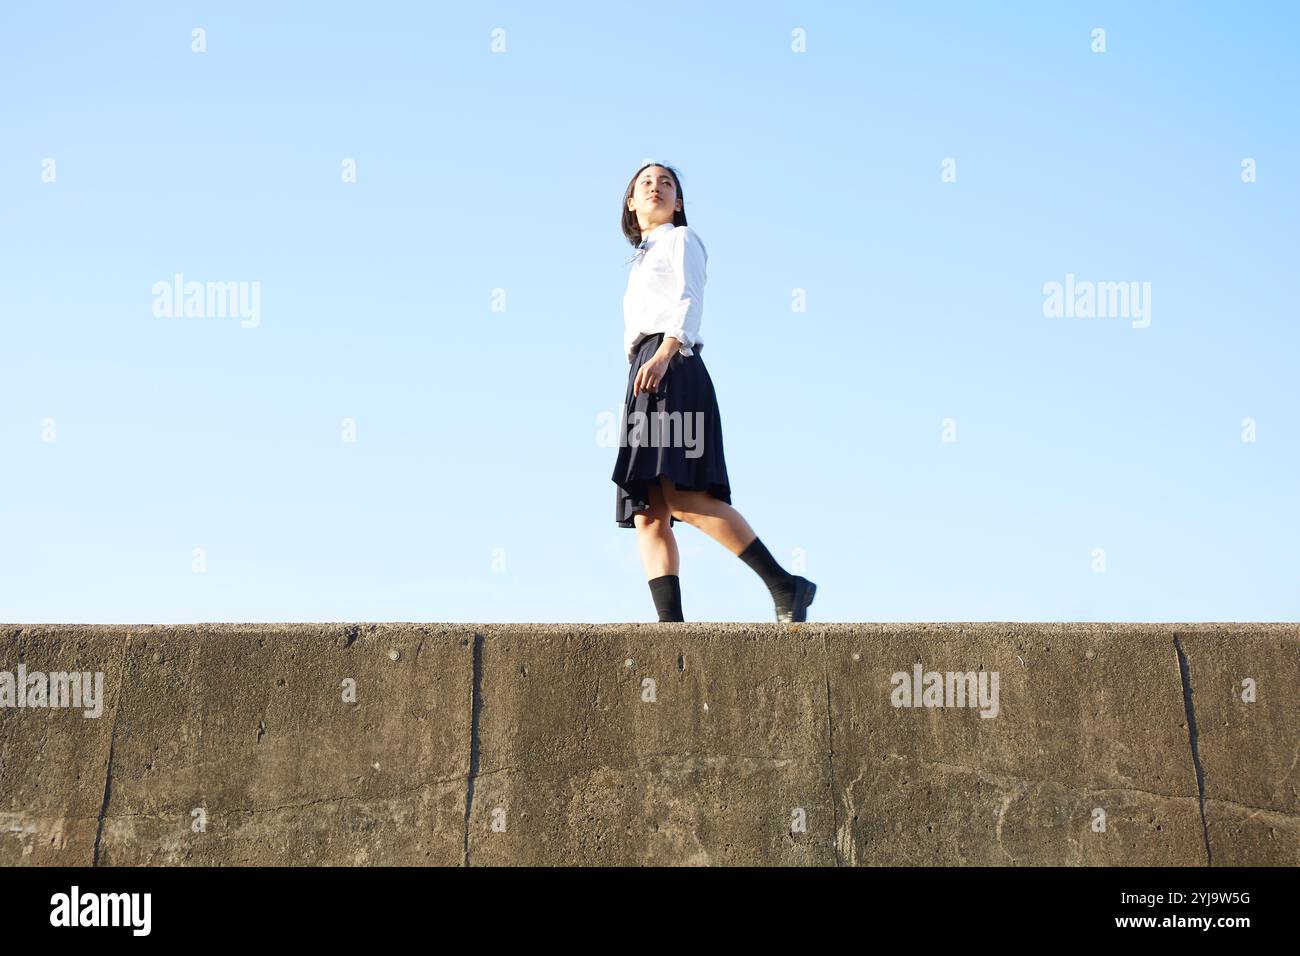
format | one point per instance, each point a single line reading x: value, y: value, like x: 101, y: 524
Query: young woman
x: 670, y: 463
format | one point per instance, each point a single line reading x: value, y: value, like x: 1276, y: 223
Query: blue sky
x: 476, y: 489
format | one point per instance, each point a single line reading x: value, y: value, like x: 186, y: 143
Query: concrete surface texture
x: 673, y: 744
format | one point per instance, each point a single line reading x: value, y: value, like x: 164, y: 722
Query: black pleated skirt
x: 674, y: 431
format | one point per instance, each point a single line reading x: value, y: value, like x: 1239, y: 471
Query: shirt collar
x: 657, y: 231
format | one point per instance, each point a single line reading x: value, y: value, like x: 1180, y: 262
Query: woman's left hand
x: 651, y: 374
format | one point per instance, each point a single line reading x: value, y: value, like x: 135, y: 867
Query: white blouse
x: 665, y: 288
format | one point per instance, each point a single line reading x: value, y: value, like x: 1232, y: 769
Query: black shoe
x: 797, y: 609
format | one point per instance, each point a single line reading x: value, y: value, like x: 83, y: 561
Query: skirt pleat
x: 678, y: 433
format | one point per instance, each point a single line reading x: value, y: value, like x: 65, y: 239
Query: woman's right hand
x: 651, y: 374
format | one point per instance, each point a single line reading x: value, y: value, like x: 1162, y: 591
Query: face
x: 654, y: 198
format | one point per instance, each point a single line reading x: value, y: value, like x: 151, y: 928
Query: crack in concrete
x: 475, y: 714
x: 488, y: 773
x: 830, y: 749
x: 1007, y: 800
x: 355, y: 798
x: 1185, y: 673
x: 844, y: 839
x: 1012, y: 782
x: 709, y: 755
x: 1277, y: 790
x: 1269, y: 815
x: 587, y: 769
x: 112, y: 744
x: 1001, y: 780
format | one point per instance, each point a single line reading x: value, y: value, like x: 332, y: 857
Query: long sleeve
x: 690, y: 262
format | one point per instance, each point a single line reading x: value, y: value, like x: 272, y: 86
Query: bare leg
x: 715, y: 518
x: 654, y: 535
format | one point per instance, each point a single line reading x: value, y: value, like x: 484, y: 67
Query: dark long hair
x: 631, y: 228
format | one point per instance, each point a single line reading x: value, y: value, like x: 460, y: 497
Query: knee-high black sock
x: 667, y: 593
x: 779, y: 581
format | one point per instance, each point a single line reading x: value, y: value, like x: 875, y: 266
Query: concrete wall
x: 763, y: 744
